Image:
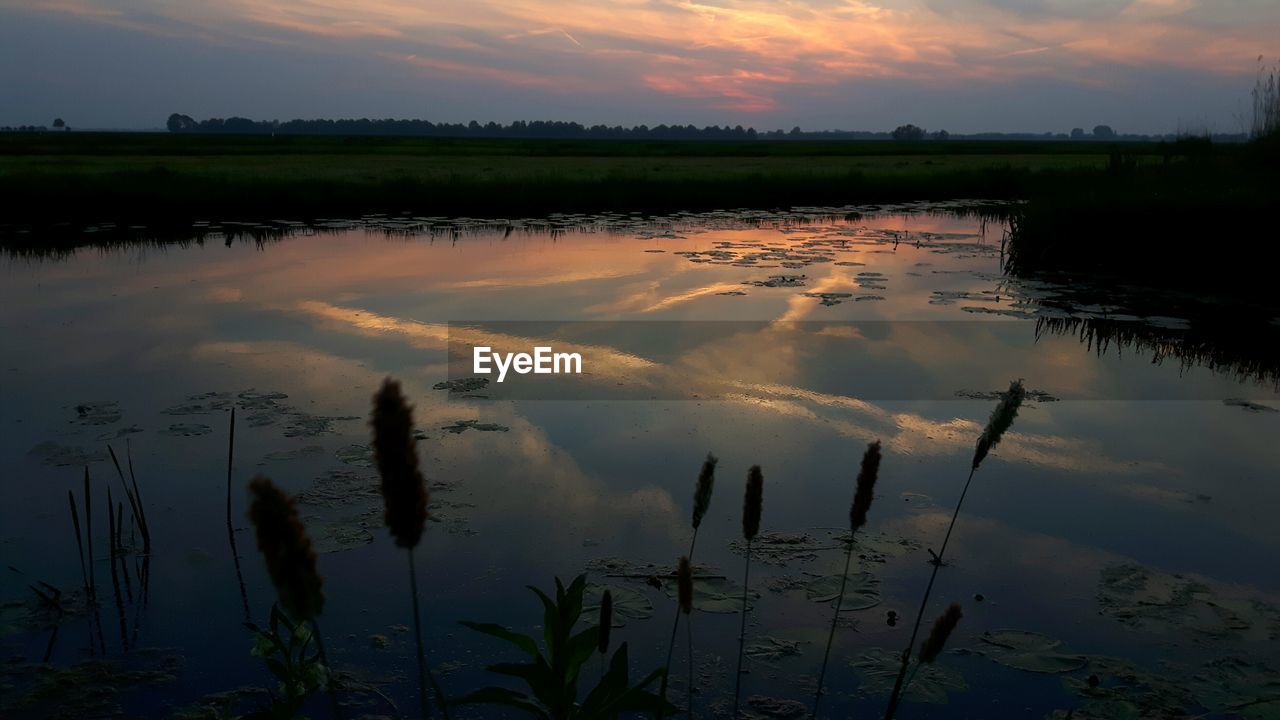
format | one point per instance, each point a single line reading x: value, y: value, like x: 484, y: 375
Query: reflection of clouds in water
x: 907, y: 433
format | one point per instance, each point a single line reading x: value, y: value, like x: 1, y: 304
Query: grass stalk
x: 231, y: 530
x: 75, y: 522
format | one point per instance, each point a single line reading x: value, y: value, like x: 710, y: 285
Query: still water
x: 1115, y: 554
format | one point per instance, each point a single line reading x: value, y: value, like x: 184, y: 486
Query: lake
x: 1115, y: 554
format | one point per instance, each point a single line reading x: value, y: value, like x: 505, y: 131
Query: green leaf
x: 862, y: 591
x: 550, y: 620
x: 524, y: 642
x: 503, y: 696
x: 1028, y: 651
x: 580, y: 649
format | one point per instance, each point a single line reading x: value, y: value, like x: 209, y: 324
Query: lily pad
x: 1236, y: 686
x: 1028, y: 651
x: 771, y: 649
x: 460, y: 426
x: 715, y: 595
x: 52, y: 453
x: 628, y: 604
x: 355, y: 455
x: 294, y: 454
x: 862, y: 591
x: 878, y: 670
x: 98, y: 413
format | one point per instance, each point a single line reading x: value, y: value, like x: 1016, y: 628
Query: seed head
x: 702, y: 496
x: 865, y: 493
x: 752, y: 503
x: 684, y: 585
x: 291, y: 562
x: 942, y: 628
x: 404, y: 491
x: 1001, y: 420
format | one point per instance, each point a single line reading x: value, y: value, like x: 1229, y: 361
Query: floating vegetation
x: 59, y: 455
x: 715, y: 595
x: 780, y: 708
x: 878, y: 670
x: 1030, y: 395
x: 98, y: 413
x: 628, y: 603
x: 1028, y: 651
x: 355, y: 455
x: 186, y: 430
x: 1147, y: 599
x: 784, y: 549
x: 1248, y: 405
x: 463, y: 385
x: 294, y: 454
x: 89, y: 688
x: 460, y: 426
x: 861, y: 592
x: 770, y: 649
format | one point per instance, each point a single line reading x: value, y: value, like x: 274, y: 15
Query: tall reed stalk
x: 864, y: 493
x: 291, y: 563
x: 404, y: 493
x: 231, y: 530
x: 684, y: 594
x: 752, y: 506
x: 701, y: 503
x: 88, y: 534
x: 1000, y: 421
x: 75, y: 522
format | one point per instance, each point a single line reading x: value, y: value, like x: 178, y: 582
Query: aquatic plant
x: 1000, y: 421
x: 701, y: 503
x: 298, y: 671
x: 290, y: 560
x: 864, y: 493
x: 231, y: 530
x: 684, y: 594
x: 752, y: 506
x: 404, y: 494
x: 942, y: 629
x: 554, y: 670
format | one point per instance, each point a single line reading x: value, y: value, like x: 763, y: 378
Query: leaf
x: 524, y: 642
x: 1028, y: 651
x: 878, y: 670
x: 503, y: 696
x: 627, y: 603
x: 772, y: 649
x: 715, y: 595
x: 861, y: 592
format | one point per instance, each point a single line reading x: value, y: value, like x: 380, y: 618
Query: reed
x: 701, y: 503
x: 606, y: 627
x: 231, y: 530
x: 864, y: 493
x: 1001, y: 420
x: 291, y: 561
x: 404, y: 494
x: 135, y: 505
x: 75, y: 522
x: 752, y: 507
x: 88, y: 534
x: 113, y: 543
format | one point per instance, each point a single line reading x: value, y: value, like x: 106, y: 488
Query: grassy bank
x: 157, y: 179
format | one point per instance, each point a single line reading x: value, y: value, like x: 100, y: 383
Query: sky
x: 1142, y: 66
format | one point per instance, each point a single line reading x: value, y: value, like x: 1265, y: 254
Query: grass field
x: 159, y: 179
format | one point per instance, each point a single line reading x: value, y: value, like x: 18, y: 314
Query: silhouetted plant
x: 298, y: 671
x: 1000, y: 421
x: 553, y: 671
x: 701, y: 503
x: 404, y: 492
x: 864, y: 493
x: 752, y: 506
x: 290, y: 559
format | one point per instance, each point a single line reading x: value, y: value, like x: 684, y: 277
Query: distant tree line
x: 552, y: 129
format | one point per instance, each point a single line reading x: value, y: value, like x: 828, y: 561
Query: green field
x: 161, y: 178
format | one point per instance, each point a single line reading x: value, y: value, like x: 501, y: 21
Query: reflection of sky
x: 968, y: 65
x: 1184, y: 486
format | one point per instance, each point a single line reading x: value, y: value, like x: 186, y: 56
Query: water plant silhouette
x: 291, y: 564
x: 1000, y: 421
x: 554, y: 670
x: 684, y: 593
x: 752, y: 505
x: 701, y: 503
x: 864, y: 493
x: 404, y: 492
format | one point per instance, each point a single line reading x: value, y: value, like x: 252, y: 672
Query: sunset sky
x: 961, y: 65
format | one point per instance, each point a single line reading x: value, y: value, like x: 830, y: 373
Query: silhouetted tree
x: 1077, y: 133
x: 59, y: 123
x: 181, y: 123
x: 942, y: 135
x: 1103, y: 132
x: 908, y: 132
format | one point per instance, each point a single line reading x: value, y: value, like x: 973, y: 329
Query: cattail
x: 865, y: 493
x: 942, y: 628
x: 403, y: 488
x: 752, y: 503
x: 291, y: 562
x: 606, y: 621
x: 684, y: 585
x: 1001, y: 420
x: 702, y: 496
